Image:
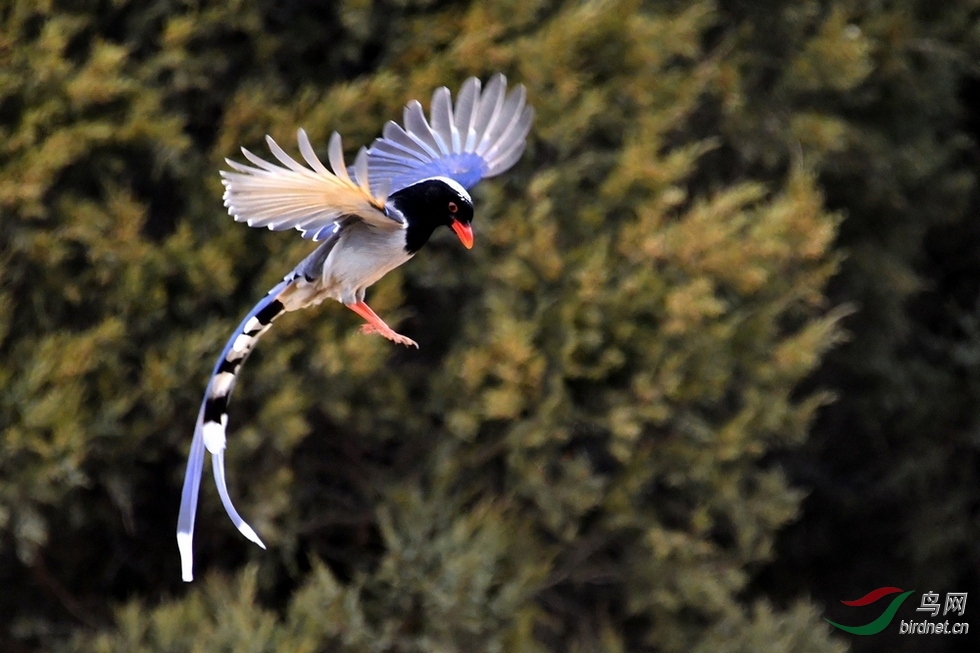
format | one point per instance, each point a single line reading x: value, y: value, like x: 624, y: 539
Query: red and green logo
x: 881, y: 622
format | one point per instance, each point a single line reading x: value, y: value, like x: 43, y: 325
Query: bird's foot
x: 376, y: 325
x: 390, y: 334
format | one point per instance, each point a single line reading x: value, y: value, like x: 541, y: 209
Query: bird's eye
x: 452, y: 207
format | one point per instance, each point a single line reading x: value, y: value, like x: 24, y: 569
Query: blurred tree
x: 876, y: 100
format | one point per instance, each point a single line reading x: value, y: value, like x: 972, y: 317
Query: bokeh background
x: 713, y: 366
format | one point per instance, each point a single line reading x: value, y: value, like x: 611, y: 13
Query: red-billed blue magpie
x: 410, y: 181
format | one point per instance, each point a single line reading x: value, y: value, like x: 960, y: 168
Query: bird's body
x: 363, y: 233
x: 362, y: 256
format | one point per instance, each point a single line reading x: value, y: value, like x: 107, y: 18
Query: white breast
x: 362, y: 255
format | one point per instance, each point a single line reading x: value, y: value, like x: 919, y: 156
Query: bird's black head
x: 432, y: 203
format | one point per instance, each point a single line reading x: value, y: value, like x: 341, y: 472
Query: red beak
x: 465, y: 233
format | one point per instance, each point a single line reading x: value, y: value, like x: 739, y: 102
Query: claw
x: 376, y: 325
x: 389, y: 334
x: 401, y: 340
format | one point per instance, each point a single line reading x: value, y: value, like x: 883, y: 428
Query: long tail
x: 209, y: 433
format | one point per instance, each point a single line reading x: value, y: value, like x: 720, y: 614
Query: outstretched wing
x: 292, y: 196
x: 481, y: 137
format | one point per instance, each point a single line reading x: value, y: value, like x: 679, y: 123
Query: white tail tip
x: 250, y: 533
x: 185, y: 545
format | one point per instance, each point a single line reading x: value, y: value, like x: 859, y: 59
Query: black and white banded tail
x: 212, y: 419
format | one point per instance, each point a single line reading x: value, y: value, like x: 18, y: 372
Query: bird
x: 367, y: 221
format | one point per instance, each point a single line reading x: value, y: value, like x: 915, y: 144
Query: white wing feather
x: 292, y: 196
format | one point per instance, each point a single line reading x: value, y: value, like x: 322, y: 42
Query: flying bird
x: 368, y: 221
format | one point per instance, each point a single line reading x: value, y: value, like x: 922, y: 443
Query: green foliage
x: 894, y: 461
x: 452, y: 580
x: 579, y: 458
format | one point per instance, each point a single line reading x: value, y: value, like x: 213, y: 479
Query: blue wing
x: 483, y: 136
x: 322, y: 233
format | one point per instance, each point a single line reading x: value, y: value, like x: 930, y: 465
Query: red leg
x: 376, y: 325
